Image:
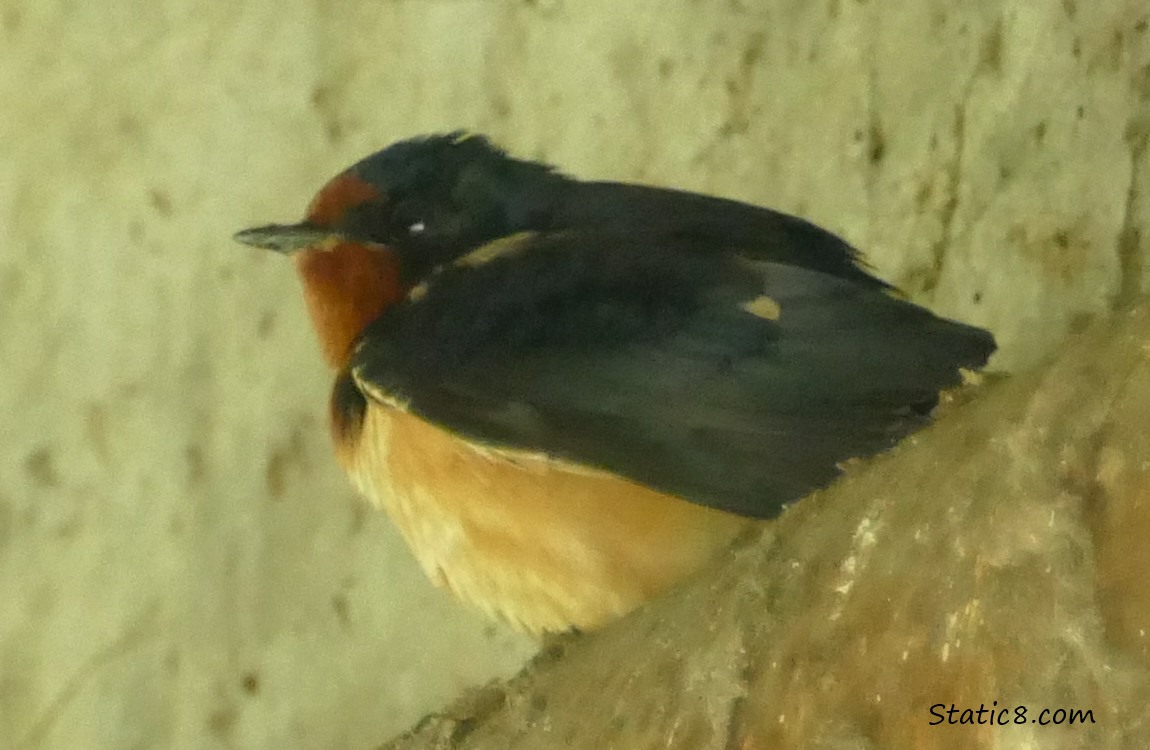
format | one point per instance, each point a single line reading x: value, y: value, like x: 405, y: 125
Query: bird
x: 571, y: 395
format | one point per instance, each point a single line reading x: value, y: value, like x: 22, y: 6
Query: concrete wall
x: 181, y: 563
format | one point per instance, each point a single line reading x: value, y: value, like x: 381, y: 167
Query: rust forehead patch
x: 337, y: 196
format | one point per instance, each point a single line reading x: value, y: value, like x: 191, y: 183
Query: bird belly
x: 545, y: 545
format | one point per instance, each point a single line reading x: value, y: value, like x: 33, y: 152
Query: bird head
x: 379, y: 228
x: 429, y: 200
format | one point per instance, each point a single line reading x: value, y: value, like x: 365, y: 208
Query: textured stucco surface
x: 181, y: 564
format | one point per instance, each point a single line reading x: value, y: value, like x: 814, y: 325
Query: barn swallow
x: 570, y: 395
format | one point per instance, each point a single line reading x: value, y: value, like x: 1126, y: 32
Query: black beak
x: 285, y: 238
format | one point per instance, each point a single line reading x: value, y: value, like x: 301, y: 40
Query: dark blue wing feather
x: 635, y: 352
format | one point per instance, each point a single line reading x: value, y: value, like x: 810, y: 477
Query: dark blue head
x: 429, y: 199
x: 441, y: 196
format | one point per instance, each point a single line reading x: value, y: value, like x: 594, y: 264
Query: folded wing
x: 725, y: 377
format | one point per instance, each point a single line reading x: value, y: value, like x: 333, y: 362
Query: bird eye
x: 412, y: 218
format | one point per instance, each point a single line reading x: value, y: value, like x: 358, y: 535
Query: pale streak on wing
x: 509, y: 245
x: 374, y: 392
x: 528, y: 460
x: 481, y: 255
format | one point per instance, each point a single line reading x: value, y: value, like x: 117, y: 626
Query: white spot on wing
x: 763, y: 307
x: 418, y: 292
